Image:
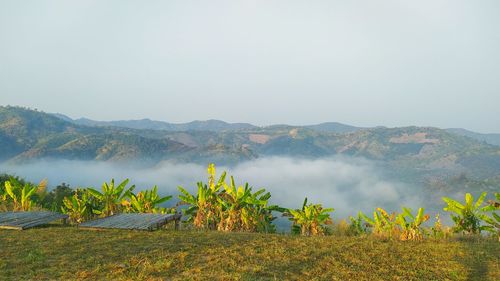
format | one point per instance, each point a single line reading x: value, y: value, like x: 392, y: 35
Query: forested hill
x: 408, y: 152
x: 27, y: 134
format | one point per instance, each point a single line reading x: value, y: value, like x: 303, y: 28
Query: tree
x: 54, y: 199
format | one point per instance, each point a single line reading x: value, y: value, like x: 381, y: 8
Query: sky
x: 364, y: 63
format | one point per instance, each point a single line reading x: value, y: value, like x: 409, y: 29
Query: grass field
x: 68, y: 253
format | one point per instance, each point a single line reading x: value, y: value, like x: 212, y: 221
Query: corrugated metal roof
x: 132, y: 221
x: 24, y: 220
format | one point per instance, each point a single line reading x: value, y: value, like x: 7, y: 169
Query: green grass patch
x: 68, y: 253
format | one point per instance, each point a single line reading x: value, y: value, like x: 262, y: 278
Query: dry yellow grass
x: 68, y: 253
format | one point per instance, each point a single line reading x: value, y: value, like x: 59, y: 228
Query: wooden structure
x: 24, y: 220
x: 133, y: 221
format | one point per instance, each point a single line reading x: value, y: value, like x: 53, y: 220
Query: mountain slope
x: 221, y: 126
x: 413, y: 154
x: 488, y: 138
x: 26, y: 134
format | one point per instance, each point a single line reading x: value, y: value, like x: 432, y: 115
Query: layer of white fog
x: 347, y: 184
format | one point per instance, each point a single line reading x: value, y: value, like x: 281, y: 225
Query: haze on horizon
x: 364, y: 63
x: 349, y: 184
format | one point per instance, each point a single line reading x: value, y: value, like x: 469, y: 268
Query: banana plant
x: 243, y: 210
x: 382, y: 224
x: 357, y: 226
x: 111, y: 197
x: 233, y: 202
x: 228, y: 207
x: 261, y: 213
x: 495, y: 203
x: 310, y: 220
x: 411, y: 228
x: 438, y: 231
x: 21, y: 197
x: 468, y: 216
x: 78, y: 207
x: 204, y: 207
x: 494, y: 221
x: 147, y: 201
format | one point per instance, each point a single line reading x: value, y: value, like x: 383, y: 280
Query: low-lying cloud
x: 347, y: 184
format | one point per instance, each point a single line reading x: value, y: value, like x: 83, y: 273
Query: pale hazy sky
x: 365, y: 63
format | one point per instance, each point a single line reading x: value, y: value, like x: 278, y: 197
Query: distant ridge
x: 334, y: 127
x: 221, y: 126
x: 148, y: 124
x: 206, y: 125
x: 414, y: 154
x: 488, y: 138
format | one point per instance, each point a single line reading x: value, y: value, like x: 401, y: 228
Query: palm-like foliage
x: 357, y: 226
x: 20, y: 197
x: 258, y: 214
x: 438, y: 231
x: 111, y: 197
x: 203, y: 207
x: 232, y: 212
x: 310, y: 220
x: 411, y: 226
x: 80, y: 207
x: 242, y: 210
x: 495, y: 203
x: 382, y: 224
x: 228, y: 207
x: 468, y: 215
x: 494, y: 221
x: 146, y: 201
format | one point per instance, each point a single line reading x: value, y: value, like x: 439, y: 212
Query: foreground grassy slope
x: 68, y: 253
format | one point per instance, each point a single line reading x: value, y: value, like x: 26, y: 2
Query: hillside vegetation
x: 229, y: 234
x: 414, y: 154
x: 222, y: 205
x: 67, y: 253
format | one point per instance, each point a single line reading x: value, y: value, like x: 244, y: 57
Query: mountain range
x: 218, y: 126
x: 415, y: 154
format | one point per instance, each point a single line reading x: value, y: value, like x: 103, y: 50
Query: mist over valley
x: 351, y: 169
x: 250, y: 140
x: 347, y: 184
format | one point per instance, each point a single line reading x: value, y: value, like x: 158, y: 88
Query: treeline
x: 220, y: 204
